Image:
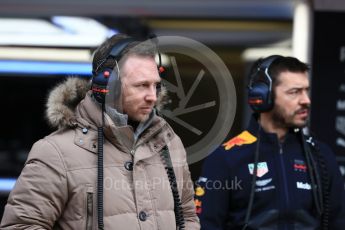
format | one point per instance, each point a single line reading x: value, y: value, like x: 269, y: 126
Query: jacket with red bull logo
x: 283, y: 197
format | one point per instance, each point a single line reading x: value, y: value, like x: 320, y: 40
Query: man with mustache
x: 284, y: 178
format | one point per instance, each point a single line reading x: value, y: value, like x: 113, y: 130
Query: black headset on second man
x: 260, y: 96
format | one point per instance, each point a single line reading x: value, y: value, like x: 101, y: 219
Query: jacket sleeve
x: 191, y: 219
x: 40, y: 192
x: 336, y: 192
x: 212, y: 194
x: 186, y: 189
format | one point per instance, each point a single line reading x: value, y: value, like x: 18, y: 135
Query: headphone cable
x: 100, y: 173
x: 252, y: 191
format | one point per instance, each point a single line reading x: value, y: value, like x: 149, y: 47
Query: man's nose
x: 151, y: 94
x: 305, y: 99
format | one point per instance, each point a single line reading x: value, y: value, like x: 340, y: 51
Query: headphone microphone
x: 160, y: 68
x: 260, y: 96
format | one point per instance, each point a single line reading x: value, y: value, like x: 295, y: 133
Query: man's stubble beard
x: 283, y: 121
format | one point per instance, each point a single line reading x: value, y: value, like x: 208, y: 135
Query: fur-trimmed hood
x: 64, y: 98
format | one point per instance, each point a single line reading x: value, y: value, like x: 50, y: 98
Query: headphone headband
x: 265, y: 64
x: 116, y: 51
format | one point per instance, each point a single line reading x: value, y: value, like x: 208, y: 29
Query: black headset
x: 102, y: 75
x: 260, y: 96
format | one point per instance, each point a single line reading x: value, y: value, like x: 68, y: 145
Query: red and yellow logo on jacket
x: 198, y: 208
x: 244, y: 138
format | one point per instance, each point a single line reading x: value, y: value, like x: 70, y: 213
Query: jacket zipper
x: 135, y: 145
x: 285, y: 185
x: 89, y: 211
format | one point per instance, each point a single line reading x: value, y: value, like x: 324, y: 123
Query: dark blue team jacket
x: 283, y: 197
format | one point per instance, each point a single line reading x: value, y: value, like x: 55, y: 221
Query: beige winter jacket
x: 57, y: 188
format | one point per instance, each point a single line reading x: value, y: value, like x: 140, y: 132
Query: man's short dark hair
x: 286, y: 64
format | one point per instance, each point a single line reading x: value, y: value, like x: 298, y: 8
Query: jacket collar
x: 155, y: 137
x: 70, y: 105
x: 155, y: 132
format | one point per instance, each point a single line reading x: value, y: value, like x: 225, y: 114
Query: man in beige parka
x: 62, y: 185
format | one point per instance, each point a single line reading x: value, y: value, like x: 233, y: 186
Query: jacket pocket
x: 89, y: 208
